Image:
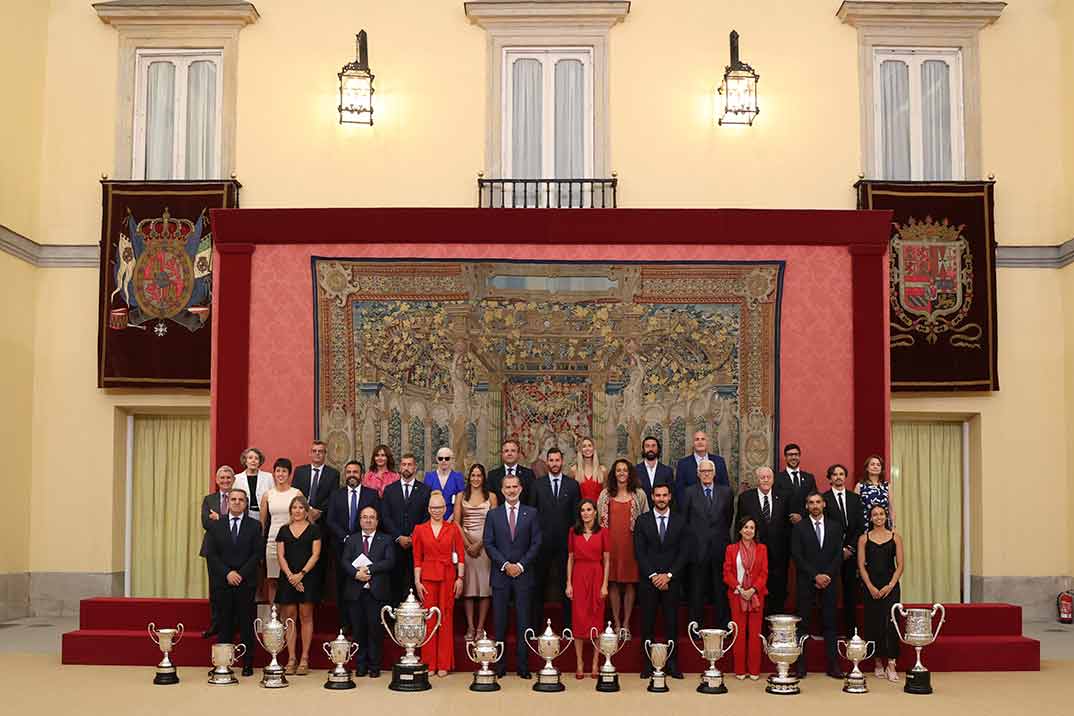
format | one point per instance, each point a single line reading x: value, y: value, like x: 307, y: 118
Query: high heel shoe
x: 290, y: 669
x: 579, y: 675
x: 893, y: 676
x: 303, y: 667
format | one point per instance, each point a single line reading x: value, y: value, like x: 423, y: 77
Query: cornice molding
x: 496, y: 14
x: 139, y: 13
x: 48, y: 255
x: 975, y: 14
x: 1045, y: 257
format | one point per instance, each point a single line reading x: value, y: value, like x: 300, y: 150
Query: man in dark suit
x: 317, y: 480
x: 510, y: 452
x: 817, y: 548
x: 794, y: 483
x: 234, y: 546
x: 405, y: 506
x: 650, y: 470
x: 368, y: 588
x: 213, y: 506
x: 556, y: 497
x: 344, y: 509
x: 686, y: 469
x: 513, y: 540
x: 843, y: 506
x: 768, y: 508
x: 708, y: 509
x: 662, y: 544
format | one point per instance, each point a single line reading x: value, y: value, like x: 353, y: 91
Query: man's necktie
x: 708, y: 494
x: 234, y: 529
x: 313, y: 484
x: 354, y: 511
x: 365, y: 545
x: 842, y: 507
x: 820, y: 537
x: 555, y: 488
x: 511, y: 520
x: 797, y: 481
x: 766, y: 510
x: 511, y: 471
x: 406, y: 492
x: 223, y: 503
x: 663, y: 527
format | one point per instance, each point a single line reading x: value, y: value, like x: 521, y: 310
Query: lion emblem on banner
x: 931, y: 284
x: 163, y: 272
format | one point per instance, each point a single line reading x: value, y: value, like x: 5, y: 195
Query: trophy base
x: 410, y: 677
x: 548, y: 682
x: 658, y: 683
x: 855, y: 685
x: 222, y: 678
x: 339, y: 682
x: 783, y: 686
x: 485, y: 681
x: 711, y: 684
x: 918, y: 682
x: 273, y: 678
x: 608, y: 682
x: 166, y: 678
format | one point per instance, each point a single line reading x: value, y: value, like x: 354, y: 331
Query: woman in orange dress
x: 439, y: 566
x: 588, y: 472
x: 619, y: 504
x: 587, y: 580
x: 382, y: 472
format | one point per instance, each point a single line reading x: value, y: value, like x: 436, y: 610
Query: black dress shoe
x: 646, y: 673
x: 500, y: 674
x: 801, y: 674
x: 247, y: 670
x: 374, y: 673
x: 836, y: 674
x: 525, y: 675
x: 208, y: 633
x: 362, y: 671
x: 675, y: 674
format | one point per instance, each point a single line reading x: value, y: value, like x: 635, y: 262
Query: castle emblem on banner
x: 931, y: 284
x: 163, y: 272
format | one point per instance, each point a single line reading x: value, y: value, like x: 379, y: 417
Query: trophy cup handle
x: 897, y: 606
x: 439, y: 618
x: 500, y: 646
x: 290, y: 623
x: 353, y: 650
x: 593, y: 634
x: 690, y: 629
x: 842, y: 652
x: 527, y: 636
x: 869, y: 654
x: 802, y: 641
x: 153, y: 633
x: 388, y: 609
x: 935, y: 608
x: 569, y: 636
x: 731, y: 626
x: 240, y: 649
x: 764, y: 644
x: 671, y: 647
x: 469, y: 645
x: 179, y: 631
x: 258, y: 624
x: 327, y: 649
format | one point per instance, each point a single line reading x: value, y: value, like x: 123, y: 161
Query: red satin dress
x: 587, y: 576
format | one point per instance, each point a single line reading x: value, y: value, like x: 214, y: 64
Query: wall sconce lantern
x: 356, y: 88
x: 739, y: 90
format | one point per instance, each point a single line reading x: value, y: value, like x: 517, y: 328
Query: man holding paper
x: 368, y: 560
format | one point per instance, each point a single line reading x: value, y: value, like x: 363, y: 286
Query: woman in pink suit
x: 439, y: 566
x: 745, y: 571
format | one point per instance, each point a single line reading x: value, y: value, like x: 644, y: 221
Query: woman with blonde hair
x: 588, y: 472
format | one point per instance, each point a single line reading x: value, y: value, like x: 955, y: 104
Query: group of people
x: 585, y: 536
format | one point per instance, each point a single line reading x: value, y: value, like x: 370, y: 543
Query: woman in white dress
x: 275, y: 513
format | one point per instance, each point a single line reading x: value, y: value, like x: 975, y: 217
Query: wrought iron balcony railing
x: 547, y: 193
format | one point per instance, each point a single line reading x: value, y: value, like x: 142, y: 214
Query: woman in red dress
x: 587, y: 580
x: 588, y: 472
x: 439, y: 566
x: 745, y: 572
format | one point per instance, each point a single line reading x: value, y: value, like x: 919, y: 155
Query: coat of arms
x: 931, y: 284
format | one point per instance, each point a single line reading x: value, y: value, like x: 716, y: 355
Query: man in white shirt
x: 817, y: 547
x: 794, y: 483
x: 845, y: 507
x: 769, y: 509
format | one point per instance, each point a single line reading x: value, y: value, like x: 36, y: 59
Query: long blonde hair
x: 579, y: 472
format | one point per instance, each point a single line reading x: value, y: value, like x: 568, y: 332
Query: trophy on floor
x: 411, y: 632
x: 272, y: 635
x: 658, y: 656
x: 609, y: 642
x: 224, y: 655
x: 854, y: 651
x: 166, y: 639
x: 918, y: 633
x: 484, y: 651
x: 549, y: 646
x: 340, y: 650
x: 783, y: 647
x: 712, y: 650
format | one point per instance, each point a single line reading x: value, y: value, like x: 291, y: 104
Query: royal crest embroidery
x: 931, y: 284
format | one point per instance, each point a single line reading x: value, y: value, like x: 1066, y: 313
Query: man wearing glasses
x: 707, y: 508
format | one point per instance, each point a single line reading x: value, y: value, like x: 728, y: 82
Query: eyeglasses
x: 442, y: 458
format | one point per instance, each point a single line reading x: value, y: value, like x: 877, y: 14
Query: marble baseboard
x: 14, y: 596
x: 59, y: 593
x: 1036, y: 595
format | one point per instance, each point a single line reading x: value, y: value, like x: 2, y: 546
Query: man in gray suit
x: 708, y: 509
x: 213, y: 506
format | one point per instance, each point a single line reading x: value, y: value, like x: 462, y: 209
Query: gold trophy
x: 339, y: 651
x: 854, y: 651
x: 411, y: 632
x: 224, y: 655
x: 609, y: 643
x: 549, y: 646
x: 783, y: 647
x: 484, y: 651
x: 166, y: 639
x: 712, y: 650
x: 918, y: 634
x: 274, y: 640
x: 658, y: 656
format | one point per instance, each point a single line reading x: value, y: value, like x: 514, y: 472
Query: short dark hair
x: 791, y: 446
x: 814, y: 492
x: 511, y: 441
x: 406, y: 455
x: 579, y: 528
x: 553, y: 450
x: 322, y: 443
x: 361, y: 467
x: 832, y: 469
x: 742, y: 523
x: 510, y: 477
x: 369, y: 507
x: 659, y: 445
x: 284, y: 463
x: 658, y: 485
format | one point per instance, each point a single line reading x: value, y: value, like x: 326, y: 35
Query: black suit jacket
x: 774, y: 534
x: 339, y: 512
x: 686, y: 475
x: 382, y: 555
x: 854, y: 525
x: 709, y: 523
x: 399, y: 517
x: 556, y: 517
x: 810, y: 559
x: 326, y: 485
x: 795, y: 498
x: 664, y: 476
x: 225, y: 555
x: 210, y: 502
x: 656, y: 557
x: 495, y: 483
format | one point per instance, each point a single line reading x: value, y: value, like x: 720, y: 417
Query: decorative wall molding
x: 49, y: 255
x: 1046, y: 257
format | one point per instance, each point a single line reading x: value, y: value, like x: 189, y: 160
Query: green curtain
x: 926, y: 471
x: 171, y: 468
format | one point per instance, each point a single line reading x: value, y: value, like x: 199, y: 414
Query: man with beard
x: 650, y: 471
x: 556, y: 497
x: 406, y: 505
x: 344, y: 511
x: 794, y: 482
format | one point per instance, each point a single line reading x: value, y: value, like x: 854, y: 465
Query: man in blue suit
x: 686, y: 470
x: 650, y: 471
x: 512, y: 539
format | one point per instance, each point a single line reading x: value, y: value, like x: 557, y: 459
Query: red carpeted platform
x: 975, y: 637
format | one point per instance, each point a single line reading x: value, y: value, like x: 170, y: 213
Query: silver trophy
x: 918, y: 633
x: 166, y: 639
x: 549, y: 646
x: 712, y: 650
x: 410, y: 632
x: 484, y: 651
x: 224, y: 656
x: 339, y: 651
x: 658, y: 656
x: 855, y: 651
x: 783, y: 647
x: 609, y: 642
x: 272, y: 635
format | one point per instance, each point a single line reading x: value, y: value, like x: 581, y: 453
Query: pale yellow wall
x: 22, y: 55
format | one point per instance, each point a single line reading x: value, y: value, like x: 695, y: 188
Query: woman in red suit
x: 745, y: 571
x: 438, y: 571
x: 587, y: 580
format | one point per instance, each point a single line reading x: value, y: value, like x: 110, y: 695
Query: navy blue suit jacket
x: 339, y: 511
x: 664, y: 476
x: 521, y: 550
x: 686, y: 475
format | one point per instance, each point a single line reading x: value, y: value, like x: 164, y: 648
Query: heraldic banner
x: 156, y: 282
x: 942, y: 285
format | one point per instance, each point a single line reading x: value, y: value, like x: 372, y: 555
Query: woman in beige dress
x: 472, y: 505
x: 275, y: 513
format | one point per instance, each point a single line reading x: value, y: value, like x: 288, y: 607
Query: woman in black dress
x: 880, y: 564
x: 298, y: 548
